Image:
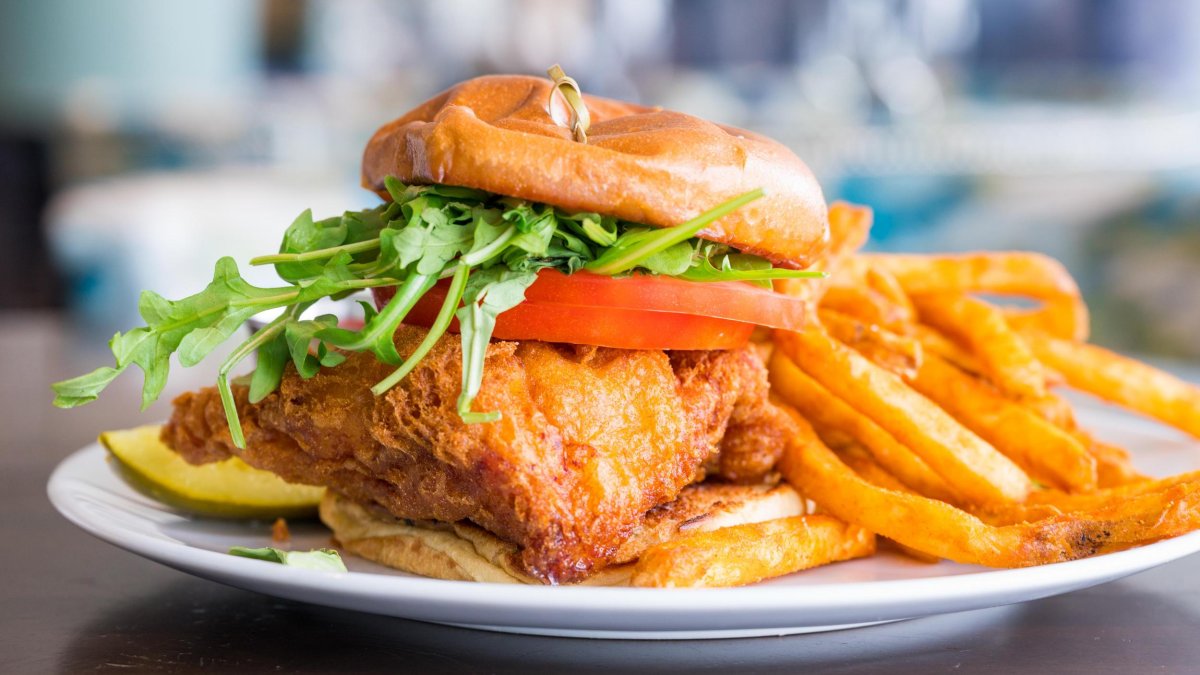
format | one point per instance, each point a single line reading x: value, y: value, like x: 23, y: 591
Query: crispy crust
x: 463, y: 552
x: 591, y: 439
x: 644, y: 165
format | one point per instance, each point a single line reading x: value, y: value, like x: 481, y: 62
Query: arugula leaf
x: 741, y: 267
x: 298, y: 336
x: 303, y: 235
x: 436, y: 331
x: 433, y: 246
x: 321, y: 559
x: 84, y: 388
x: 624, y: 256
x: 602, y: 230
x: 491, y: 246
x: 268, y: 371
x: 671, y: 261
x: 487, y: 294
x: 376, y: 335
x: 194, y: 325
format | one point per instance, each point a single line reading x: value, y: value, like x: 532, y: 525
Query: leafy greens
x: 321, y: 559
x: 491, y: 246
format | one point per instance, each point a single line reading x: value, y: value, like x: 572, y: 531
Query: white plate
x: 861, y: 592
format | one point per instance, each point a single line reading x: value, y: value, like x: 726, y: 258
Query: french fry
x: 969, y: 465
x: 1063, y: 317
x: 1077, y: 502
x: 930, y: 459
x: 1006, y: 360
x: 849, y: 226
x: 1029, y: 275
x: 1046, y: 503
x: 857, y: 458
x: 933, y: 342
x: 1041, y: 449
x: 1044, y: 451
x: 1113, y: 464
x: 1054, y: 409
x: 1122, y: 380
x: 828, y: 412
x: 1004, y: 273
x: 886, y: 285
x: 898, y: 353
x: 744, y: 554
x: 872, y: 296
x: 942, y: 530
x: 864, y: 304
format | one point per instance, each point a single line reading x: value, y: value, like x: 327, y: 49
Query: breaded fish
x: 590, y: 439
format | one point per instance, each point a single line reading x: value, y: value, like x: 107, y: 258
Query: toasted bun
x: 464, y: 552
x: 644, y: 165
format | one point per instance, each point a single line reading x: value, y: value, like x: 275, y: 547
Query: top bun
x: 644, y: 165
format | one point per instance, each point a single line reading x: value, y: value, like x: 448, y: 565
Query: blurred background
x: 141, y: 139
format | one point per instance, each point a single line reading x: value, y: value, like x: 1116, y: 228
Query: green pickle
x: 226, y: 489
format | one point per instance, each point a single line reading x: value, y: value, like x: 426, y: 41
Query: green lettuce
x: 492, y: 247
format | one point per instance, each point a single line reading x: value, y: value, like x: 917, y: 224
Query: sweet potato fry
x: 831, y: 414
x: 1029, y: 275
x: 942, y: 530
x: 744, y: 554
x: 969, y: 465
x: 1122, y: 380
x: 1044, y: 451
x: 982, y: 329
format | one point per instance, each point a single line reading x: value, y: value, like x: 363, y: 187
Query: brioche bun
x: 463, y: 552
x: 640, y: 164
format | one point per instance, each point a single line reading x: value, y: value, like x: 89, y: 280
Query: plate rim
x: 874, y: 600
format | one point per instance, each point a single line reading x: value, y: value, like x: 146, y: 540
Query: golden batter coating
x: 590, y: 440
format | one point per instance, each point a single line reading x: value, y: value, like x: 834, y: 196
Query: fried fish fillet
x: 590, y: 439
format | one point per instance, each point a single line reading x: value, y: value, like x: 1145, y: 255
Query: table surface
x: 71, y: 603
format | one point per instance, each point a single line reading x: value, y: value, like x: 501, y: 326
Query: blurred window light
x: 107, y: 62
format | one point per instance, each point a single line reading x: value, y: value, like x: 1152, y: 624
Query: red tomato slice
x: 636, y: 312
x: 602, y: 326
x: 733, y: 300
x: 606, y: 326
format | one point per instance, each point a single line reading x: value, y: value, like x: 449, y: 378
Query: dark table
x: 71, y: 603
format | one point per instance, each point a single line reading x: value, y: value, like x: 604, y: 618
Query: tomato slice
x: 733, y: 300
x: 601, y: 326
x: 636, y: 312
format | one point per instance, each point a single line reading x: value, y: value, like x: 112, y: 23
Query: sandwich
x: 558, y: 380
x: 557, y: 371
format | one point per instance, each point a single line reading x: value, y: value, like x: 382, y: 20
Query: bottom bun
x: 463, y: 552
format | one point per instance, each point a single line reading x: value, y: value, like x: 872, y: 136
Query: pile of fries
x: 926, y: 415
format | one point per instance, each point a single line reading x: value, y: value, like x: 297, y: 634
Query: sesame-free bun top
x: 639, y: 164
